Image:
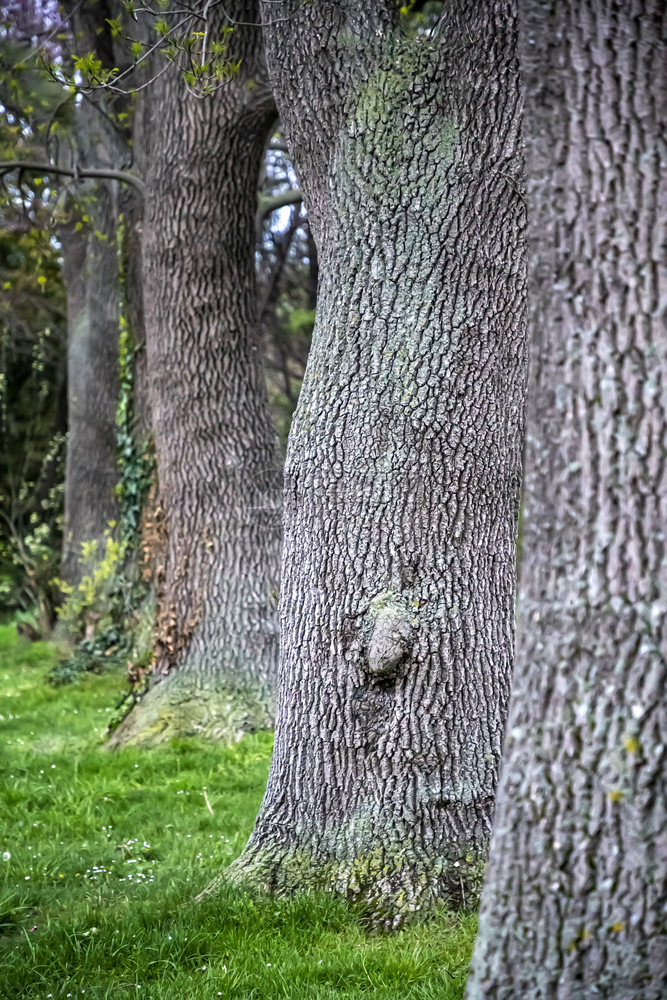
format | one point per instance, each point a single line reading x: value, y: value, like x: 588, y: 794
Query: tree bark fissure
x: 403, y: 465
x: 574, y: 903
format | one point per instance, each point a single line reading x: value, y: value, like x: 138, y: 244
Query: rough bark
x: 217, y: 452
x: 403, y: 465
x: 575, y: 899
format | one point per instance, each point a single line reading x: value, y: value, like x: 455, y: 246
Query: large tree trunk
x: 403, y: 466
x: 575, y: 898
x: 217, y: 452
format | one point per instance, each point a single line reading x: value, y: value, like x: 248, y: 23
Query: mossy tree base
x: 388, y: 886
x: 402, y: 474
x: 183, y: 705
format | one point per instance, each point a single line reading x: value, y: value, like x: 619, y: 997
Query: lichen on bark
x: 403, y: 466
x: 387, y: 885
x: 195, y: 705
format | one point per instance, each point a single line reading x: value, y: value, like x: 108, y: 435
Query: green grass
x: 108, y: 850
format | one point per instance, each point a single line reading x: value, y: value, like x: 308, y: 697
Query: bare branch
x: 266, y: 205
x: 83, y: 172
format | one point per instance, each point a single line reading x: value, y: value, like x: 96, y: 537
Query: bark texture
x: 217, y: 452
x: 93, y: 285
x: 93, y: 312
x: 575, y: 899
x: 403, y: 465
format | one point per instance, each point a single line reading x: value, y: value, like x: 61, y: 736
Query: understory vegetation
x: 102, y: 854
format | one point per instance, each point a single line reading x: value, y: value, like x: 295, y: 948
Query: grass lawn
x: 101, y: 854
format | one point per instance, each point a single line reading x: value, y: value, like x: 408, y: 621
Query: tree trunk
x: 90, y: 258
x: 403, y: 466
x: 575, y: 898
x: 91, y: 280
x: 217, y: 452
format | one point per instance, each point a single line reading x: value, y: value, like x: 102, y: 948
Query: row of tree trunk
x: 403, y: 473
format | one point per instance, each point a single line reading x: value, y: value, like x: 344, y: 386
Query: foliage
x: 35, y: 553
x: 32, y: 350
x: 31, y: 522
x: 95, y: 596
x: 106, y: 606
x: 95, y: 654
x: 32, y: 375
x: 106, y: 852
x: 108, y: 615
x: 184, y: 37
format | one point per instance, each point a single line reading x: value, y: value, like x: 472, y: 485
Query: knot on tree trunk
x: 389, y: 635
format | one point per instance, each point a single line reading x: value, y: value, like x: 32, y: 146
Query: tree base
x: 387, y: 887
x: 184, y: 705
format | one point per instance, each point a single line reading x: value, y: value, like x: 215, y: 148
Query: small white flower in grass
x: 6, y: 855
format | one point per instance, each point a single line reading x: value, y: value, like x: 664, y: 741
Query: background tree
x: 575, y: 897
x: 218, y: 462
x: 403, y: 465
x: 88, y: 236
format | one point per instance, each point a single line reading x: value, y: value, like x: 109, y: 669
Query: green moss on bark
x: 387, y: 884
x: 181, y: 705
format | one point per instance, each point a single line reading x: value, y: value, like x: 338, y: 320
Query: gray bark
x: 93, y: 303
x: 92, y: 279
x: 575, y: 899
x: 217, y: 452
x: 403, y: 464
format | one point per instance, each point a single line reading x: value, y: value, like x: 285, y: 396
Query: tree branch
x: 84, y: 172
x: 266, y: 205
